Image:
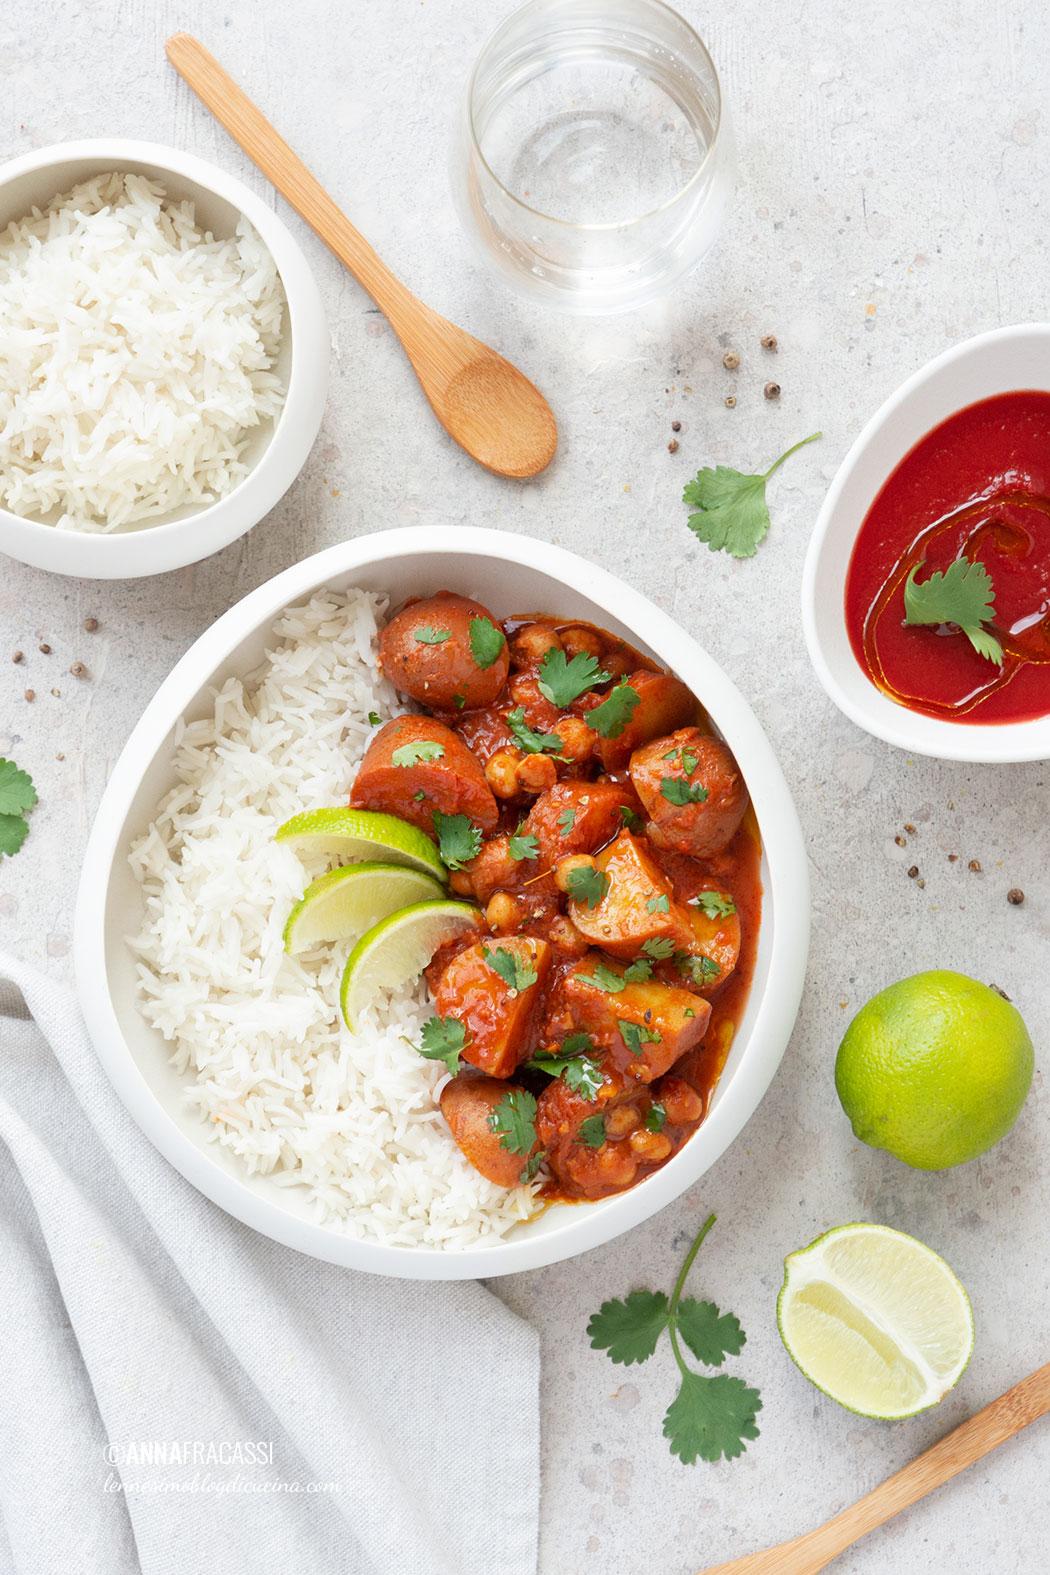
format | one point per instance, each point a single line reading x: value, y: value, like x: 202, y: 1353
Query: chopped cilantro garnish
x: 592, y: 1132
x: 531, y: 742
x: 731, y: 511
x: 459, y: 840
x: 659, y: 948
x: 582, y: 1073
x: 963, y: 595
x: 716, y: 906
x: 375, y: 719
x: 567, y: 819
x: 711, y: 1417
x: 486, y: 642
x: 676, y: 791
x: 655, y: 1117
x: 516, y: 972
x: 661, y: 904
x: 635, y: 1035
x: 701, y: 970
x: 443, y: 1039
x: 610, y: 718
x: 418, y: 796
x: 587, y: 884
x: 524, y: 847
x: 630, y: 818
x: 533, y: 1165
x: 514, y: 1118
x: 690, y: 761
x: 610, y: 982
x: 562, y: 681
x: 413, y: 754
x: 426, y: 634
x: 459, y: 701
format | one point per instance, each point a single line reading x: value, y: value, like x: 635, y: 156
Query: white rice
x: 136, y: 356
x: 269, y: 1064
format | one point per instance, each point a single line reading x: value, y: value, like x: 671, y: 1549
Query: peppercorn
x: 900, y: 841
x: 909, y: 827
x: 730, y: 401
x: 1015, y: 895
x: 91, y: 625
x: 676, y: 426
x: 953, y: 858
x: 78, y: 670
x: 772, y: 391
x: 672, y: 447
x: 769, y: 341
x: 46, y: 650
x: 17, y: 657
x: 913, y: 871
x: 730, y: 360
x: 920, y: 882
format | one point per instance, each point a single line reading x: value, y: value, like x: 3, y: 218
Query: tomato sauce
x: 976, y: 487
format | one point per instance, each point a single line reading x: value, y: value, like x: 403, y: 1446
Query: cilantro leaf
x: 567, y: 819
x: 17, y: 793
x: 635, y: 1035
x: 533, y: 1165
x: 443, y: 1039
x: 486, y: 642
x: 459, y: 701
x: 459, y: 840
x: 587, y: 884
x: 412, y: 754
x: 701, y: 970
x: 516, y: 972
x: 675, y: 791
x: 731, y: 511
x: 963, y: 595
x: 514, y: 1118
x: 659, y: 948
x: 610, y: 718
x: 638, y: 971
x: 655, y: 1118
x: 562, y: 681
x: 532, y: 742
x: 716, y: 906
x: 603, y: 978
x: 527, y: 847
x: 660, y: 904
x: 628, y: 1330
x: 710, y: 1336
x: 631, y: 819
x: 14, y: 830
x: 375, y: 719
x: 426, y: 634
x: 711, y: 1417
x: 582, y: 1073
x: 591, y: 1132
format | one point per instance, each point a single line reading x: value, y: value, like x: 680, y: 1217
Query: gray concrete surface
x: 892, y: 200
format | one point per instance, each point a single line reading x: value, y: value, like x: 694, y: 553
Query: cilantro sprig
x: 581, y: 1071
x: 676, y: 791
x: 587, y: 884
x: 715, y: 906
x: 442, y: 1039
x: 731, y: 514
x: 17, y: 797
x: 486, y: 642
x: 609, y: 982
x: 459, y: 840
x: 610, y: 718
x: 414, y: 754
x: 514, y: 1119
x: 523, y: 847
x: 562, y: 681
x: 528, y: 739
x: 963, y: 595
x: 516, y: 972
x: 710, y: 1416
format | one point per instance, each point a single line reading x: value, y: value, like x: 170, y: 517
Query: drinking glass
x: 593, y: 158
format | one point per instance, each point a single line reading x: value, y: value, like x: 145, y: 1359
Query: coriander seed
x: 730, y: 401
x: 913, y: 871
x: 974, y: 865
x: 769, y: 341
x: 17, y: 657
x: 772, y: 391
x: 730, y: 360
x: 909, y: 827
x: 672, y: 447
x: 46, y: 650
x: 30, y: 694
x: 900, y: 841
x: 1015, y: 896
x: 91, y: 625
x: 78, y: 670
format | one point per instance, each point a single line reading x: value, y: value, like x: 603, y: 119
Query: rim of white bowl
x: 785, y: 908
x: 157, y: 549
x: 1001, y: 744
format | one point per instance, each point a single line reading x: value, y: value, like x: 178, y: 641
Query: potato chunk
x: 467, y: 1104
x: 644, y: 1026
x: 475, y: 989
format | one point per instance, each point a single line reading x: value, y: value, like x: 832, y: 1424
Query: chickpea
x: 536, y: 774
x: 532, y: 643
x: 503, y: 913
x: 682, y: 1102
x: 615, y: 1164
x: 566, y: 938
x: 564, y: 868
x: 648, y: 1146
x: 500, y: 772
x: 622, y: 1120
x: 461, y: 883
x: 577, y: 739
x: 577, y: 641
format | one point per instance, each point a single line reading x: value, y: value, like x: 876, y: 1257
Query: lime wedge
x: 346, y: 902
x: 876, y: 1320
x: 355, y: 834
x: 398, y: 948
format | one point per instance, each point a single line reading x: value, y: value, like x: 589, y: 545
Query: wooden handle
x: 232, y: 107
x: 982, y: 1433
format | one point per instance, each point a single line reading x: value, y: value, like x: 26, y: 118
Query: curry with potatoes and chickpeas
x: 578, y: 796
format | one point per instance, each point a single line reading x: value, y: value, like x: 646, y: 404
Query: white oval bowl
x: 995, y: 363
x: 276, y: 452
x: 507, y: 573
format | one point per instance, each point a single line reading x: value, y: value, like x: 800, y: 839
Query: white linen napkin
x: 137, y: 1319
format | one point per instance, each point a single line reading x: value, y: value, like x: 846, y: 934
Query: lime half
x: 354, y: 834
x: 876, y: 1320
x: 398, y: 948
x: 346, y: 902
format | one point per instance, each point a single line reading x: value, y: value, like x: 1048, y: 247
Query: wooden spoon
x: 487, y: 405
x: 999, y: 1421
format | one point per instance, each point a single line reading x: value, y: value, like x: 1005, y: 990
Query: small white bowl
x: 995, y: 363
x: 276, y: 453
x: 508, y: 574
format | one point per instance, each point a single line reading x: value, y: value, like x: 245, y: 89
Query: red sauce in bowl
x: 977, y: 487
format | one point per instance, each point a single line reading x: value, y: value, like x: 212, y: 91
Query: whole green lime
x: 935, y: 1069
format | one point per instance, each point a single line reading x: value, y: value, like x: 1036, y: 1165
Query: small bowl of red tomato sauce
x: 926, y: 594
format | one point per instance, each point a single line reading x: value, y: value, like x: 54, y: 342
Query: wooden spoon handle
x: 232, y: 107
x: 983, y: 1432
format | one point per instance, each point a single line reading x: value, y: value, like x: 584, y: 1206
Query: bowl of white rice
x: 164, y: 359
x: 232, y: 1055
